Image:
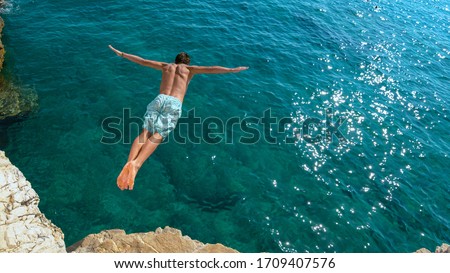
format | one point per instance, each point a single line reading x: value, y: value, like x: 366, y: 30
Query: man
x: 164, y: 111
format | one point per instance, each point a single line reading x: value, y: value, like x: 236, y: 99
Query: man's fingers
x: 113, y: 49
x: 240, y: 68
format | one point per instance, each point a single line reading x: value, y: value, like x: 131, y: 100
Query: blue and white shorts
x: 162, y: 115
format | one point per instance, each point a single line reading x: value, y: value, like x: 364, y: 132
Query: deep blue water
x: 383, y: 65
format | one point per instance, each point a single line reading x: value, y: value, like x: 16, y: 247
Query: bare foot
x: 123, y: 177
x: 133, y: 169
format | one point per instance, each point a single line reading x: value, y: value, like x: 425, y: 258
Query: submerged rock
x: 23, y: 228
x: 2, y: 48
x: 167, y: 240
x: 15, y: 102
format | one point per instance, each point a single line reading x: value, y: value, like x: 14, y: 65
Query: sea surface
x: 379, y: 71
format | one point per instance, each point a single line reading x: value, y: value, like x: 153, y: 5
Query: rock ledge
x: 444, y: 248
x: 23, y: 228
x: 167, y: 240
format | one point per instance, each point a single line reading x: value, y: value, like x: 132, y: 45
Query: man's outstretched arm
x: 139, y: 60
x: 215, y: 69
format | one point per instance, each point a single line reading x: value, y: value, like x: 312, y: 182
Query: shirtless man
x: 164, y: 111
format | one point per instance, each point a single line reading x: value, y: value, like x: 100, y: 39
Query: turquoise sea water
x: 382, y: 64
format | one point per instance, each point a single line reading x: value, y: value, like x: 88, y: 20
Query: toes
x: 130, y: 182
x: 122, y: 178
x: 120, y: 185
x: 126, y: 177
x: 119, y: 181
x: 131, y: 177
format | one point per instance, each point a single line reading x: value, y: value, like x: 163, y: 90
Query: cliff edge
x: 167, y: 240
x: 23, y: 228
x: 444, y: 248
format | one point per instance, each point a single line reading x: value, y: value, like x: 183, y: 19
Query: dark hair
x: 183, y: 58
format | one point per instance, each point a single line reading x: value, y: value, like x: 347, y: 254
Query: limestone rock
x: 167, y: 240
x: 23, y: 228
x: 444, y: 248
x: 423, y: 250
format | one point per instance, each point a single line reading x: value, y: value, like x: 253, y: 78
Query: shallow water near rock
x: 385, y: 69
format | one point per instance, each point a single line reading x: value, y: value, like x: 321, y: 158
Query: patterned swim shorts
x: 162, y: 115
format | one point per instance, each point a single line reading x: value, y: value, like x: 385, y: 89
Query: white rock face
x: 23, y: 228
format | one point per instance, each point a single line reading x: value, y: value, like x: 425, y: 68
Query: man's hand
x: 119, y: 53
x: 239, y: 69
x: 153, y: 64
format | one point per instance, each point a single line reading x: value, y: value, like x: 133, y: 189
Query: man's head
x: 183, y: 58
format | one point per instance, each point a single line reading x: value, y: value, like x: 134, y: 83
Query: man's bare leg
x: 139, y: 141
x: 145, y: 152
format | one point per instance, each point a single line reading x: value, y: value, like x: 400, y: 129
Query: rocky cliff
x: 167, y: 240
x: 23, y: 228
x: 444, y: 248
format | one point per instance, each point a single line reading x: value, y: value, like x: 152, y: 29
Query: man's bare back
x: 175, y: 80
x: 164, y: 111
